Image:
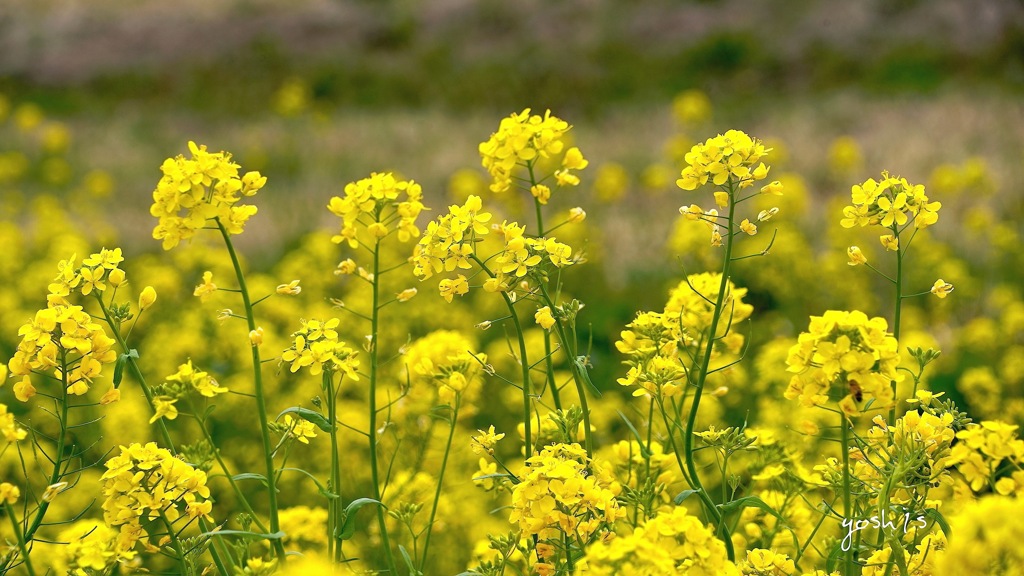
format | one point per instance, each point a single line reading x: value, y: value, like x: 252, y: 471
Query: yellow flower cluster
x: 656, y: 342
x: 916, y: 451
x: 61, y: 338
x: 984, y: 450
x: 845, y: 347
x: 521, y: 140
x: 763, y: 562
x: 195, y: 190
x: 145, y: 482
x: 731, y: 155
x: 671, y: 543
x: 450, y: 243
x: 375, y: 202
x: 445, y: 359
x: 91, y: 276
x: 316, y: 345
x: 889, y: 203
x: 556, y: 494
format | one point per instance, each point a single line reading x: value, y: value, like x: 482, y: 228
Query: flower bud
x: 116, y: 277
x: 147, y: 297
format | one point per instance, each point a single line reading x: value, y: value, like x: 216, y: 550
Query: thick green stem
x: 702, y: 373
x: 374, y: 464
x: 261, y: 403
x: 900, y: 251
x: 22, y: 546
x: 334, y: 508
x: 440, y: 481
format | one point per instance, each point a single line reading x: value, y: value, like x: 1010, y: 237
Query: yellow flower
x: 485, y: 441
x: 204, y: 290
x: 941, y: 288
x: 774, y: 188
x: 111, y: 396
x: 302, y: 430
x: 24, y: 390
x: 890, y: 242
x: 541, y: 192
x: 523, y: 138
x: 256, y: 337
x: 748, y: 227
x: 856, y: 256
x: 574, y: 160
x: 147, y: 297
x: 577, y: 215
x: 116, y: 277
x: 544, y: 318
x: 452, y: 287
x: 345, y: 267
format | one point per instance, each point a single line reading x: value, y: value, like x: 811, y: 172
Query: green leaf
x: 755, y: 502
x: 939, y: 519
x: 348, y: 525
x: 581, y: 365
x: 408, y: 561
x: 251, y: 476
x: 119, y: 365
x: 833, y: 557
x: 683, y: 496
x: 309, y: 416
x: 643, y: 449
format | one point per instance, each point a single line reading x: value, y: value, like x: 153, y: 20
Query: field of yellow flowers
x: 433, y: 388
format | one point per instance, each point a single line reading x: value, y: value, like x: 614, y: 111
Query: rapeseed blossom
x: 195, y: 190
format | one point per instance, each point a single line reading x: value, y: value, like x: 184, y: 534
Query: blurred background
x: 317, y: 93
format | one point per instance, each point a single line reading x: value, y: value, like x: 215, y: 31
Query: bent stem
x: 702, y: 375
x: 522, y: 359
x: 261, y: 404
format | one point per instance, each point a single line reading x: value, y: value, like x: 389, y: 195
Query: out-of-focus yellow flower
x: 941, y: 288
x: 405, y: 295
x: 290, y: 289
x: 345, y: 267
x: 577, y: 215
x: 256, y: 337
x: 691, y: 107
x: 9, y: 493
x: 164, y: 408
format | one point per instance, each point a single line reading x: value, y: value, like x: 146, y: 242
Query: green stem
x: 549, y: 364
x: 176, y: 544
x: 261, y: 405
x: 524, y: 363
x: 22, y: 546
x: 847, y: 499
x: 334, y: 506
x: 440, y: 481
x: 900, y: 251
x: 374, y: 465
x: 702, y: 375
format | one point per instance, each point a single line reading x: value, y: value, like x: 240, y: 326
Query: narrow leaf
x: 309, y: 416
x: 348, y: 524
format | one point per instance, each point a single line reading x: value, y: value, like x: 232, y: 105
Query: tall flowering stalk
x: 731, y: 163
x: 372, y: 209
x: 206, y: 191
